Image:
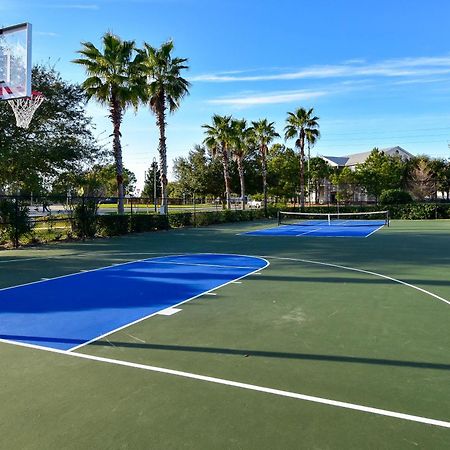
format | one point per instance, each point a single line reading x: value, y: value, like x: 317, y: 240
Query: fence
x: 32, y: 218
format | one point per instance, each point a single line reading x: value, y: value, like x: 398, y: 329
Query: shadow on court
x: 241, y: 352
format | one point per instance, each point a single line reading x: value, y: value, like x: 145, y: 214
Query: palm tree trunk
x: 116, y: 117
x: 264, y: 177
x: 302, y: 171
x: 226, y: 175
x: 161, y: 123
x: 242, y: 181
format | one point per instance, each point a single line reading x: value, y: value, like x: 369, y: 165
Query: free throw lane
x: 68, y: 311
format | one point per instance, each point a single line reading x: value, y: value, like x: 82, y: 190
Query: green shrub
x: 395, y: 197
x: 145, y: 222
x: 112, y: 225
x: 178, y: 220
x: 14, y: 221
x: 84, y: 219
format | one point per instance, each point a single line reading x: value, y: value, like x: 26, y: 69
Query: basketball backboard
x: 15, y: 61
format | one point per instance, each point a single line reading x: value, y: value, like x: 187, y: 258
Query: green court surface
x: 230, y: 371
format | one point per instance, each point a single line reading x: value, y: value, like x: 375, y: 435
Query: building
x: 327, y: 192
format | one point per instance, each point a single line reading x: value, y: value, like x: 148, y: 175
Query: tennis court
x: 355, y: 225
x: 210, y: 338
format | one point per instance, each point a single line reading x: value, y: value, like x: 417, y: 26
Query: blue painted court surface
x: 321, y: 228
x: 68, y: 311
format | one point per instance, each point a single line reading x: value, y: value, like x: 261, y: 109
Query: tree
x: 282, y: 171
x: 113, y: 80
x: 346, y: 182
x: 241, y: 141
x: 264, y: 133
x: 218, y: 140
x: 98, y: 181
x: 298, y: 125
x: 151, y: 180
x: 318, y: 170
x: 199, y: 173
x: 58, y: 142
x: 380, y: 172
x: 312, y: 135
x: 165, y: 90
x: 421, y: 178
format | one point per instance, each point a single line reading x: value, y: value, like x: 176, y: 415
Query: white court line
x: 307, y: 232
x: 209, y: 292
x: 251, y: 387
x: 374, y: 231
x: 20, y: 260
x: 395, y: 280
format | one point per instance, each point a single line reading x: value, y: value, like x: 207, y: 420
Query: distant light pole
x: 155, y: 168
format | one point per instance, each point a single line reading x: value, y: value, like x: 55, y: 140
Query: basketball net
x: 24, y: 108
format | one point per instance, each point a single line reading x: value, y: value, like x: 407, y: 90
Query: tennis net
x: 354, y: 219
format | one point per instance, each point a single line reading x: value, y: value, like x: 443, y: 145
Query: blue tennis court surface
x: 321, y: 228
x: 68, y: 311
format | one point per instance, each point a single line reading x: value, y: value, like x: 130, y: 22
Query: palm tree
x: 113, y: 81
x: 165, y: 90
x: 312, y: 135
x: 218, y: 140
x: 240, y: 142
x: 264, y: 133
x: 299, y: 125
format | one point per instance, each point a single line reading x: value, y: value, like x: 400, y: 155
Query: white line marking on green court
x: 307, y: 232
x: 169, y: 311
x: 374, y: 231
x: 237, y: 384
x: 353, y: 269
x: 20, y: 260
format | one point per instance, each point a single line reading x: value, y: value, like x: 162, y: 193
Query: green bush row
x: 113, y: 225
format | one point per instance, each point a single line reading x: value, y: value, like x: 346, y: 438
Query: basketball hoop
x: 24, y: 108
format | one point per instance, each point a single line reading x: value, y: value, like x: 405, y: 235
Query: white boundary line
x: 20, y: 260
x: 209, y: 292
x: 395, y: 280
x: 251, y: 387
x: 310, y: 231
x: 374, y: 231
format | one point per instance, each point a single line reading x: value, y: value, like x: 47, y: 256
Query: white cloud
x: 46, y: 33
x: 268, y: 98
x: 392, y: 68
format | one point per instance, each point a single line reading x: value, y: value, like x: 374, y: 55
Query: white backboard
x: 15, y: 61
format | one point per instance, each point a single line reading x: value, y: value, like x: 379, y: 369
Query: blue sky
x: 376, y: 72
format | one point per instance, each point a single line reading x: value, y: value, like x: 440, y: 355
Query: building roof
x: 358, y: 158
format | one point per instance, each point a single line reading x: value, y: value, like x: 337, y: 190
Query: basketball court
x: 209, y: 338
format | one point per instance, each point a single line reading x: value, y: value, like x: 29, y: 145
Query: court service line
x: 247, y: 386
x: 353, y: 269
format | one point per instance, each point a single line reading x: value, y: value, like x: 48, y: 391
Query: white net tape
x: 24, y: 108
